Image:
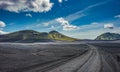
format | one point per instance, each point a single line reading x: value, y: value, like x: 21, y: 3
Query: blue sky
x: 83, y: 19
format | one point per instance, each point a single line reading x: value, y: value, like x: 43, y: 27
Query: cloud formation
x: 2, y: 24
x: 28, y: 15
x: 69, y: 27
x: 117, y: 16
x: 81, y: 13
x: 109, y: 26
x: 26, y: 5
x: 2, y: 32
x: 66, y: 25
x: 60, y: 1
x: 45, y: 24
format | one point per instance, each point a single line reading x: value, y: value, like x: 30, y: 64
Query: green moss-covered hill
x: 54, y: 35
x: 109, y: 36
x: 34, y: 36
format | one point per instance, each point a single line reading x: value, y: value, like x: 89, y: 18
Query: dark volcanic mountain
x: 109, y: 36
x: 34, y: 36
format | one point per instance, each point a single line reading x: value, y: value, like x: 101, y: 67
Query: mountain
x: 54, y: 35
x: 109, y: 36
x: 34, y: 36
x: 24, y: 35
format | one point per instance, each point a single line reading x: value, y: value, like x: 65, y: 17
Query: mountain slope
x: 25, y: 35
x: 58, y: 36
x: 33, y: 36
x: 109, y: 36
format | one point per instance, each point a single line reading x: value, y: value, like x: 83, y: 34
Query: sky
x: 83, y: 19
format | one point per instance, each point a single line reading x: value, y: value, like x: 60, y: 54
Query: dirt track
x: 92, y: 61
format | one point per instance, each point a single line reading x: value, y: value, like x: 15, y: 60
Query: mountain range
x: 108, y: 36
x: 34, y: 36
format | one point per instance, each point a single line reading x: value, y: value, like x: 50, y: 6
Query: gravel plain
x: 60, y: 57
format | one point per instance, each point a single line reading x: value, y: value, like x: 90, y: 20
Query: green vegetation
x: 34, y: 36
x: 58, y: 36
x: 109, y: 36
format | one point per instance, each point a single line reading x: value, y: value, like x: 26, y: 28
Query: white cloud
x: 66, y: 25
x: 109, y: 26
x: 60, y: 1
x: 94, y: 23
x: 46, y: 24
x: 28, y: 15
x: 117, y: 16
x: 62, y: 21
x: 2, y: 24
x: 26, y: 5
x: 2, y: 32
x: 69, y: 27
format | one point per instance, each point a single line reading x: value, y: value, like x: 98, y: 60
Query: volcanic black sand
x: 60, y: 57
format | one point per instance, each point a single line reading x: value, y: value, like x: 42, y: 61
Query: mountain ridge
x: 108, y: 36
x: 34, y: 36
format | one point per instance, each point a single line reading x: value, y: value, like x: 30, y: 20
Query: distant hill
x: 108, y: 36
x: 54, y: 35
x: 34, y: 36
